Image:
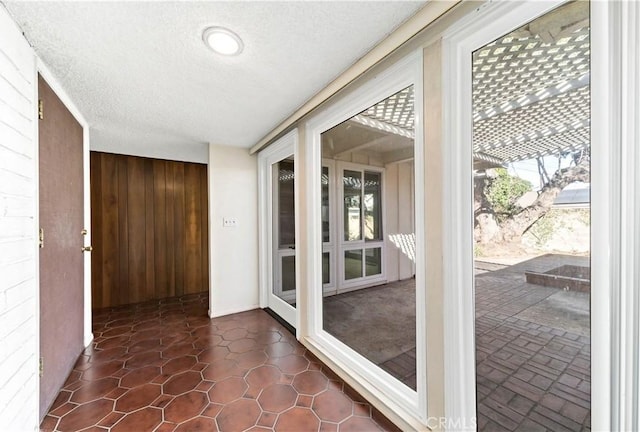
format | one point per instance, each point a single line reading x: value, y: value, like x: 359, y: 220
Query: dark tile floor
x: 165, y: 366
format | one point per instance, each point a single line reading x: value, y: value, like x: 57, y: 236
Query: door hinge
x: 41, y: 238
x: 40, y: 109
x: 41, y: 366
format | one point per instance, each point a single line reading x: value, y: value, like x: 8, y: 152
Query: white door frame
x: 281, y: 149
x: 330, y: 246
x: 391, y: 392
x: 482, y: 26
x: 46, y: 74
x: 615, y: 105
x: 342, y: 246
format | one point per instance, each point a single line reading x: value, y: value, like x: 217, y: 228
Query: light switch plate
x: 229, y: 222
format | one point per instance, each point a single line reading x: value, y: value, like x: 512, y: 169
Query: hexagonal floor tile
x: 234, y: 334
x: 179, y: 364
x: 86, y: 415
x: 185, y: 406
x: 198, y: 424
x: 262, y: 376
x: 227, y: 390
x: 239, y: 415
x: 297, y: 419
x: 277, y: 397
x: 144, y: 420
x: 101, y: 370
x: 182, y: 383
x: 251, y: 359
x: 221, y: 369
x: 243, y: 345
x: 279, y: 349
x: 359, y: 424
x: 291, y: 364
x: 186, y: 377
x: 94, y: 390
x: 138, y: 397
x: 333, y: 406
x: 310, y: 382
x: 140, y: 376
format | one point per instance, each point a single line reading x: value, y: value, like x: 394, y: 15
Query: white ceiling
x: 140, y: 74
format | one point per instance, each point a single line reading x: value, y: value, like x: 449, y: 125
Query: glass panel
x: 372, y: 206
x: 288, y: 274
x: 325, y: 205
x: 326, y: 268
x: 284, y: 260
x: 352, y: 184
x: 352, y: 264
x: 373, y: 261
x: 376, y: 321
x: 531, y: 215
x: 286, y: 204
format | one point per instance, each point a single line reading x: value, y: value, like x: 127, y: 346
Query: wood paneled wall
x: 149, y: 222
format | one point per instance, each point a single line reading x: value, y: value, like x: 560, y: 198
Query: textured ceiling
x: 141, y: 75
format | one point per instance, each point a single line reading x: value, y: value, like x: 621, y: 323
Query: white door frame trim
x: 280, y: 149
x: 404, y: 401
x: 615, y: 105
x: 57, y: 88
x: 485, y: 24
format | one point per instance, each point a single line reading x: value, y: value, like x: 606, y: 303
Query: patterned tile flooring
x: 164, y: 366
x: 532, y: 374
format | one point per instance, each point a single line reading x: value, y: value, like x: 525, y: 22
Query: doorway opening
x: 531, y: 202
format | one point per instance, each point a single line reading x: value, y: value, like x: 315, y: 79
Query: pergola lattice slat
x: 531, y: 98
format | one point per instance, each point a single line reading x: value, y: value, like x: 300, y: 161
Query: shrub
x: 503, y: 191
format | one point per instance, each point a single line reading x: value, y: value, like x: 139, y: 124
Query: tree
x: 498, y: 217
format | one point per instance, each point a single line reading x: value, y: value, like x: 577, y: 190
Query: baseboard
x: 218, y: 314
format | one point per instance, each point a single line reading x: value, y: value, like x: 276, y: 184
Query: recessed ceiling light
x: 222, y: 41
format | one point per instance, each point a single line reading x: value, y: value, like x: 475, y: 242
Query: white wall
x: 233, y: 193
x: 158, y: 146
x: 18, y: 217
x: 399, y: 204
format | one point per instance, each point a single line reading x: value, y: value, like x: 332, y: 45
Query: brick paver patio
x: 531, y: 375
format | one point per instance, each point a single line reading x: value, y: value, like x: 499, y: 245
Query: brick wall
x: 18, y: 265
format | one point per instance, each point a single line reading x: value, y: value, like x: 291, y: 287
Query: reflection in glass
x: 288, y: 273
x: 352, y: 264
x: 372, y: 208
x: 286, y: 204
x: 531, y: 208
x: 373, y: 260
x: 326, y: 268
x: 369, y: 303
x: 352, y: 181
x: 325, y: 204
x: 284, y: 260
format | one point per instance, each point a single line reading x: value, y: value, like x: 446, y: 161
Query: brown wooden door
x: 61, y: 260
x: 149, y: 225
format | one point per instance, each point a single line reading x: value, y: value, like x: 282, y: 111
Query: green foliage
x: 544, y: 228
x: 503, y: 191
